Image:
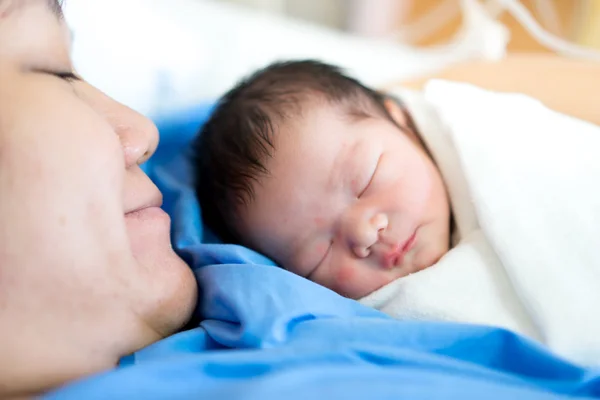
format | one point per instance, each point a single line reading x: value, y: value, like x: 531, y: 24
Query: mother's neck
x: 34, y: 367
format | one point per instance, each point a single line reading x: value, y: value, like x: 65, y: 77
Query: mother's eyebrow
x: 13, y: 5
x: 56, y: 8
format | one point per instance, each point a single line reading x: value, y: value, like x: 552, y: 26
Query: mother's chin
x: 171, y: 296
x: 165, y: 293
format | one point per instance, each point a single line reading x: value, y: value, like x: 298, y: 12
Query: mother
x: 87, y: 272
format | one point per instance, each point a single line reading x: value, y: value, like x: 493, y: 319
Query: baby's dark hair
x: 234, y: 145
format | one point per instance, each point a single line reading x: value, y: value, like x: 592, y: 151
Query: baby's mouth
x: 395, y: 257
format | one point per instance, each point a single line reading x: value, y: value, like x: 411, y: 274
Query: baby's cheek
x: 320, y: 250
x: 345, y: 281
x: 345, y: 274
x: 319, y: 222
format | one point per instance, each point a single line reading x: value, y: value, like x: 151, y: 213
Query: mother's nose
x: 138, y: 136
x: 362, y: 231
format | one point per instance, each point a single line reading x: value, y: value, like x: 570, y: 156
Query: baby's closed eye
x: 370, y: 180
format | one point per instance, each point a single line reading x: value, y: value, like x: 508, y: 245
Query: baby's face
x: 349, y: 204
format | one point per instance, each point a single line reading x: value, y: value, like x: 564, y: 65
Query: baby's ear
x: 400, y: 115
x: 396, y: 112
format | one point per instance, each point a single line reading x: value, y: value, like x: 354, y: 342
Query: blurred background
x: 431, y: 22
x: 162, y: 55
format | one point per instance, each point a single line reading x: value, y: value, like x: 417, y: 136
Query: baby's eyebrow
x: 340, y: 164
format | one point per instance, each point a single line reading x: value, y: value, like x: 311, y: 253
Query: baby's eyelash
x: 371, y: 179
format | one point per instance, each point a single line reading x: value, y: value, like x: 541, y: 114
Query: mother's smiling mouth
x: 151, y: 199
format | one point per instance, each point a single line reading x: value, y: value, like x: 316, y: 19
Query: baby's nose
x: 368, y: 234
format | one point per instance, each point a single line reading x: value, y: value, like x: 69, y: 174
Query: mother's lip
x: 153, y: 199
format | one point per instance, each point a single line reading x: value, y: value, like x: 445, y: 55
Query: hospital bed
x: 260, y: 332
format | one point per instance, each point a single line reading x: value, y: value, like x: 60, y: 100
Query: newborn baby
x: 327, y: 177
x: 334, y: 182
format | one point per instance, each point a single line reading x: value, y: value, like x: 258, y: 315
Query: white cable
x: 494, y: 8
x: 447, y: 10
x: 441, y: 14
x: 524, y: 17
x: 548, y: 16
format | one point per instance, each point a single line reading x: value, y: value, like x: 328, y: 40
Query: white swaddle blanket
x: 524, y: 183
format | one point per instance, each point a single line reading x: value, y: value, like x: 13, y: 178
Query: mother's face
x: 84, y: 248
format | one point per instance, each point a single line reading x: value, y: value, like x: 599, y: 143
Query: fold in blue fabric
x: 265, y: 333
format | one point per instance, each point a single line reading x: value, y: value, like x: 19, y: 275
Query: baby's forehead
x: 303, y: 137
x: 319, y: 123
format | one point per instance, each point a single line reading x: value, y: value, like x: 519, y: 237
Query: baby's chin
x: 366, y: 286
x: 424, y: 255
x: 429, y: 256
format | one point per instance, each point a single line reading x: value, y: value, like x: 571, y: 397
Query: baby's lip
x: 395, y: 257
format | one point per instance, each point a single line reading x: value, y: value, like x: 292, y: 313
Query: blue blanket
x: 267, y: 334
